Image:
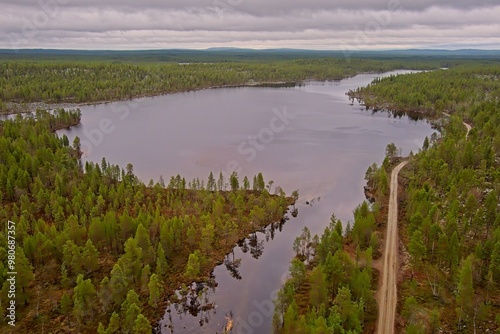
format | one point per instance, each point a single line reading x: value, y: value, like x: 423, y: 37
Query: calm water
x: 308, y: 138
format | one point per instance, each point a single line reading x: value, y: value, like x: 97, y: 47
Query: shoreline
x: 27, y: 107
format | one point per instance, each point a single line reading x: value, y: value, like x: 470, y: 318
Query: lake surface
x: 309, y: 138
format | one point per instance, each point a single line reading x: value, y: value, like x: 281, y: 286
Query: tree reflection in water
x: 194, y: 300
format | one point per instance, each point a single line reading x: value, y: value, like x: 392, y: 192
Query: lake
x: 309, y: 137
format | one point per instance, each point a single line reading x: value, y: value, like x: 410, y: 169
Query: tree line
x: 77, y: 81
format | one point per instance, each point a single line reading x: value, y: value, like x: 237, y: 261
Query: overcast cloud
x: 311, y: 24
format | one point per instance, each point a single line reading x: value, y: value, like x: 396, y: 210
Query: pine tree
x: 154, y: 291
x: 76, y: 144
x: 211, y: 182
x: 465, y: 291
x: 24, y: 276
x: 495, y: 263
x: 66, y: 304
x: 297, y: 272
x: 290, y: 319
x: 130, y: 316
x: 233, y: 181
x: 141, y: 325
x: 161, y: 262
x: 90, y: 257
x: 64, y: 276
x: 318, y: 293
x: 83, y: 299
x: 454, y: 251
x: 72, y: 257
x: 118, y: 283
x: 145, y: 274
x: 101, y: 329
x: 261, y: 185
x: 220, y: 182
x: 416, y: 248
x: 246, y: 183
x: 97, y: 232
x: 114, y: 324
x: 207, y: 238
x: 349, y: 311
x: 132, y: 298
x: 131, y: 261
x: 105, y: 294
x: 144, y: 243
x: 193, y: 266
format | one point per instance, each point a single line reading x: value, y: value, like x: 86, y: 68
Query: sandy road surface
x: 388, y: 297
x: 388, y: 293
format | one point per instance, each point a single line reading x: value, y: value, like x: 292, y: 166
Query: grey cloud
x: 317, y: 24
x: 270, y: 7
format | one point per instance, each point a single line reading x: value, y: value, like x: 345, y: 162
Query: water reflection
x: 232, y: 265
x: 193, y: 300
x: 196, y: 301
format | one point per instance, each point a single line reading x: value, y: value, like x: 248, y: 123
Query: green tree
x: 349, y: 311
x: 454, y: 251
x: 132, y: 298
x: 101, y: 329
x: 143, y: 242
x: 141, y: 325
x: 193, y: 266
x: 23, y: 278
x: 118, y: 283
x: 233, y: 181
x: 425, y: 146
x: 130, y: 316
x: 391, y: 151
x: 290, y: 319
x: 246, y: 183
x: 114, y: 324
x: 83, y: 299
x: 161, y: 262
x: 465, y: 292
x: 154, y: 288
x: 76, y: 144
x: 131, y: 261
x: 495, y: 262
x: 416, y: 248
x: 259, y: 185
x: 66, y: 304
x: 90, y: 257
x: 297, y: 272
x: 211, y: 186
x: 207, y: 238
x: 220, y: 182
x: 145, y: 274
x: 318, y: 292
x: 105, y: 294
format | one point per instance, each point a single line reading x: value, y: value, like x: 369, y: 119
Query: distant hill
x: 237, y: 54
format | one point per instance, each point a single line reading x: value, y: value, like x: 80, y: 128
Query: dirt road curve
x: 388, y: 292
x: 468, y: 129
x: 465, y: 124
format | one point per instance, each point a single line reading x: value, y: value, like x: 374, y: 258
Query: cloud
x: 127, y: 24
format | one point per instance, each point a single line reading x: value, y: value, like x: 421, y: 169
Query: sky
x: 260, y: 24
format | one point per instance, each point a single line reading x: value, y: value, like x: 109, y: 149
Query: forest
x: 96, y: 250
x: 449, y: 225
x: 60, y: 81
